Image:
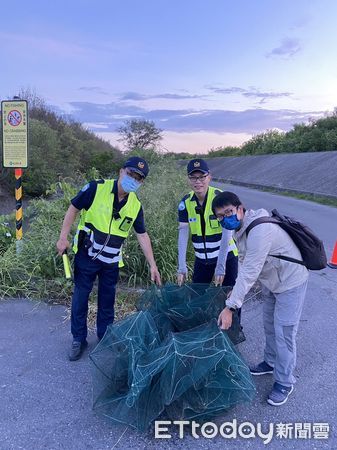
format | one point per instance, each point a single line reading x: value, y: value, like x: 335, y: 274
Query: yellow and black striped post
x: 18, y: 212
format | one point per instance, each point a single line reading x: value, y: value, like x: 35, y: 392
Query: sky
x: 208, y: 73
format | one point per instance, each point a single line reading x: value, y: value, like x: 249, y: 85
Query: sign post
x: 18, y: 209
x: 15, y: 151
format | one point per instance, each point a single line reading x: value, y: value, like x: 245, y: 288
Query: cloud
x: 250, y: 121
x: 112, y: 114
x: 230, y: 90
x: 95, y: 89
x: 252, y: 92
x: 264, y: 95
x: 96, y: 126
x: 135, y: 96
x: 132, y: 96
x: 288, y: 48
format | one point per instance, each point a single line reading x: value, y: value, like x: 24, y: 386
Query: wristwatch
x: 232, y: 308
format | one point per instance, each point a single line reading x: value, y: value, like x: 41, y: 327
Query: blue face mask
x: 230, y: 223
x: 129, y: 184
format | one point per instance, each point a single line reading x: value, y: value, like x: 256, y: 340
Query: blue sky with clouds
x: 209, y: 73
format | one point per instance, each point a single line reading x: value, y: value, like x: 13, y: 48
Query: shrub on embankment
x: 318, y: 135
x: 60, y: 148
x: 37, y: 272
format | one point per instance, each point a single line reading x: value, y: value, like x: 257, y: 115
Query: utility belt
x: 84, y: 241
x: 107, y: 250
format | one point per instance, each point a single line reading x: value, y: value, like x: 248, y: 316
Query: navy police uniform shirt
x: 182, y: 210
x: 86, y: 195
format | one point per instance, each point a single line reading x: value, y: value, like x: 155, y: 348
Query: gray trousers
x: 281, y: 316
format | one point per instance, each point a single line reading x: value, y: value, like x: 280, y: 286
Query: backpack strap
x: 268, y: 219
x: 265, y: 219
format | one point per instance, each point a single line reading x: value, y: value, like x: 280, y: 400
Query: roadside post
x: 14, y: 120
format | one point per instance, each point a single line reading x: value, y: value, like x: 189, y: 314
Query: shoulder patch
x: 84, y: 188
x: 182, y: 206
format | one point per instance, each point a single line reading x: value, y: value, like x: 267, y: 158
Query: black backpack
x: 310, y: 246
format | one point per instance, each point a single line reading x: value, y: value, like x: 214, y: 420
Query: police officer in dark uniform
x: 109, y: 209
x: 216, y: 254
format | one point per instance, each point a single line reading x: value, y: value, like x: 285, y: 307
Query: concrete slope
x: 304, y: 172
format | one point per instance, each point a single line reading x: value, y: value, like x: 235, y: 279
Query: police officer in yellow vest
x: 214, y: 247
x: 109, y: 209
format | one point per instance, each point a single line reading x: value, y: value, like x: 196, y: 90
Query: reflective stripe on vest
x: 106, y: 233
x: 107, y: 259
x: 210, y: 255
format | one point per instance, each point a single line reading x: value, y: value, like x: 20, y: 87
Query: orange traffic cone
x: 333, y: 262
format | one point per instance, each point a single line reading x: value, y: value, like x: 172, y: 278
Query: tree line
x: 317, y: 136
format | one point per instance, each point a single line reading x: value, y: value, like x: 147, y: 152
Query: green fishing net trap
x: 170, y: 359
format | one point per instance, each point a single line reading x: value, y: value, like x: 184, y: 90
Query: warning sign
x: 14, y: 118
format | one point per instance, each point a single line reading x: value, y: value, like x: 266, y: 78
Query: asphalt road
x: 45, y: 400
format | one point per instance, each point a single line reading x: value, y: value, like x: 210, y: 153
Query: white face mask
x: 129, y: 184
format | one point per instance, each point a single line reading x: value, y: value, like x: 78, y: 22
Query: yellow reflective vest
x: 107, y: 229
x: 207, y: 245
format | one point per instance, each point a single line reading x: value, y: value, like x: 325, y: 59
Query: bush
x: 36, y: 271
x: 7, y: 234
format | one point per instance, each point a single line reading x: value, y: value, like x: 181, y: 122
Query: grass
x: 125, y: 304
x: 311, y: 197
x: 37, y: 272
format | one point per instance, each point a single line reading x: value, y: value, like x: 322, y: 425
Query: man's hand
x: 61, y: 245
x: 155, y: 275
x: 218, y: 280
x: 145, y: 244
x: 225, y: 319
x: 181, y: 277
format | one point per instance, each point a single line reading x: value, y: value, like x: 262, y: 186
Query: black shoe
x: 77, y: 348
x: 262, y: 369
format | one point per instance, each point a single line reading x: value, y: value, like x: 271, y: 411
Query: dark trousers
x: 203, y: 273
x: 85, y: 272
